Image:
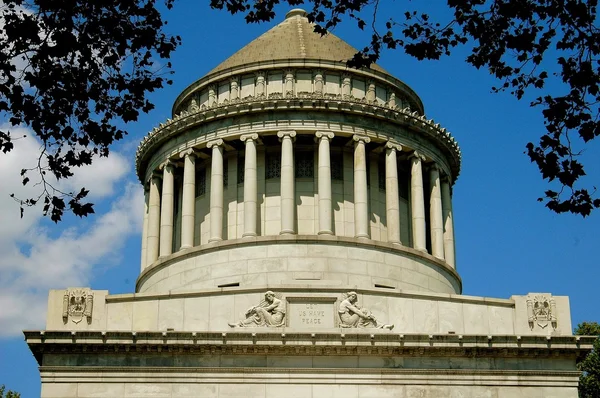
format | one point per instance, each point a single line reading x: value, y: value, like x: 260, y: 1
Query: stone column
x: 435, y: 214
x: 417, y: 202
x: 346, y: 86
x: 250, y: 185
x: 324, y: 187
x: 392, y: 196
x: 361, y: 191
x: 212, y: 95
x: 234, y: 94
x: 188, y: 200
x: 145, y: 228
x: 371, y: 93
x: 448, y: 223
x: 166, y: 209
x: 153, y: 220
x: 319, y: 82
x: 260, y: 89
x: 288, y: 200
x: 289, y: 83
x: 216, y: 191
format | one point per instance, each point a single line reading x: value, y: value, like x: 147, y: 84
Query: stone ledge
x: 294, y: 239
x: 342, y: 342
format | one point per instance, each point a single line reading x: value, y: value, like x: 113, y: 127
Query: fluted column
x: 250, y: 185
x: 435, y: 214
x: 361, y: 191
x: 392, y: 196
x: 288, y: 201
x: 417, y: 202
x: 324, y: 176
x: 216, y: 191
x: 166, y: 209
x: 188, y: 200
x: 448, y: 223
x: 152, y: 241
x: 144, y: 260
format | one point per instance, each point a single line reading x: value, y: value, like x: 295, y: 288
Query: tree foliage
x: 517, y: 42
x: 589, y: 382
x: 9, y: 393
x: 74, y: 71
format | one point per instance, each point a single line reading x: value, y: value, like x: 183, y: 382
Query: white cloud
x: 34, y: 259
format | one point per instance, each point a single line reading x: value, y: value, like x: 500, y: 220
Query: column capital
x: 156, y: 174
x: 250, y: 137
x: 326, y: 135
x: 391, y: 145
x: 217, y: 142
x: 286, y: 134
x: 447, y: 179
x: 417, y: 155
x: 434, y: 167
x: 167, y: 164
x: 361, y: 138
x: 187, y: 153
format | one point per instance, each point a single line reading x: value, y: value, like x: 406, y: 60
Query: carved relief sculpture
x: 77, y: 304
x: 352, y: 316
x: 541, y: 311
x: 269, y: 313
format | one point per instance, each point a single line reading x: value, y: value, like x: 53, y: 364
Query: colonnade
x: 158, y: 221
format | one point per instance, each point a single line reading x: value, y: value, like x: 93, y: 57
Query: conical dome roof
x: 294, y: 38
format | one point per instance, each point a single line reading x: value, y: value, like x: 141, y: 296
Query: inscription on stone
x: 311, y: 314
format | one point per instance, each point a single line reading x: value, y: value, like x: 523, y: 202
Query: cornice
x: 282, y: 342
x: 187, y: 120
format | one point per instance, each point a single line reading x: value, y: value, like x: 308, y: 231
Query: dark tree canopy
x: 73, y: 71
x: 589, y: 382
x: 523, y: 43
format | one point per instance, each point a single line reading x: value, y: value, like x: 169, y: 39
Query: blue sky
x: 507, y: 242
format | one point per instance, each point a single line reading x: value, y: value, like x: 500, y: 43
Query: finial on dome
x: 294, y: 12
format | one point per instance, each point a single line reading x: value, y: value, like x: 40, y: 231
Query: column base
x: 325, y: 232
x: 287, y: 232
x: 215, y: 240
x: 249, y: 235
x: 363, y: 236
x: 183, y: 247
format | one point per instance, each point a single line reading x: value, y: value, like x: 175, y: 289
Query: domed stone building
x: 298, y: 241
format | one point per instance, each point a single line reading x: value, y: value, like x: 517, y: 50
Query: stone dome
x: 294, y: 38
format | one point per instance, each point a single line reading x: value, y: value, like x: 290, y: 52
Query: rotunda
x: 298, y: 241
x: 284, y: 166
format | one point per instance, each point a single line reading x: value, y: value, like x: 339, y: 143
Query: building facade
x: 298, y: 241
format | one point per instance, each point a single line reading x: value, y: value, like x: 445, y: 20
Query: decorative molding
x: 78, y: 304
